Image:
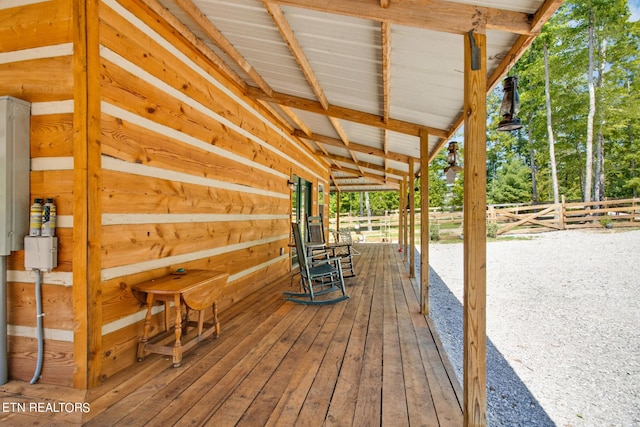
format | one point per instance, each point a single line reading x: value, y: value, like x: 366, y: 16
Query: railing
x: 503, y: 219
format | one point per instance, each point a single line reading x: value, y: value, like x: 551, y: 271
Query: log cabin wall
x: 156, y: 162
x: 36, y: 65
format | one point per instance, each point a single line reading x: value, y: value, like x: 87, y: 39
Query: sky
x: 634, y: 5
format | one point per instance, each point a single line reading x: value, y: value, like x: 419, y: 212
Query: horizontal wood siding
x: 193, y: 175
x: 36, y: 66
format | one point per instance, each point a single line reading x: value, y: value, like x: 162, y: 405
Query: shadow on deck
x: 370, y: 360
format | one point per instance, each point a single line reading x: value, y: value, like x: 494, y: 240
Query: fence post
x: 562, y: 211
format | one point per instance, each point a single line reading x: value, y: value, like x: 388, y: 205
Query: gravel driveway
x: 563, y: 326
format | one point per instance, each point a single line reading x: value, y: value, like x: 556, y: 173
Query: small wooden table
x: 197, y: 290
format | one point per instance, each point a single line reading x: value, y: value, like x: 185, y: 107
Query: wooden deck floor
x: 371, y: 360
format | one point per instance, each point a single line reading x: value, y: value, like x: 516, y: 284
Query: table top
x: 179, y: 283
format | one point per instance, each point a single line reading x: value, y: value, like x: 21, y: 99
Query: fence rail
x: 505, y: 219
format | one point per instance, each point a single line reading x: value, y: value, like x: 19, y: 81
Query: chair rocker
x: 320, y: 275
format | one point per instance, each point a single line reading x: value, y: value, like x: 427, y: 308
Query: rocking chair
x: 320, y: 275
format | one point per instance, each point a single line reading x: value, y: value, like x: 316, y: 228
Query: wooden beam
x: 544, y: 13
x: 359, y: 148
x: 424, y: 223
x: 401, y: 216
x: 337, y: 207
x: 350, y: 161
x: 474, y: 229
x: 345, y: 113
x: 391, y: 183
x: 437, y: 15
x: 287, y: 34
x: 405, y: 229
x: 198, y: 44
x: 81, y: 314
x: 385, y: 31
x: 412, y: 219
x: 210, y: 30
x: 86, y: 253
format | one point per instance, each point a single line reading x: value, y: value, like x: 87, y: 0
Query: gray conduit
x: 4, y: 362
x: 39, y: 316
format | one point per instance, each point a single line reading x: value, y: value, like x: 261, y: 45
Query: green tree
x: 512, y: 183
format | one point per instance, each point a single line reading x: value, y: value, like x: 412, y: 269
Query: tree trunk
x: 532, y: 164
x: 598, y: 191
x: 552, y: 151
x: 592, y: 112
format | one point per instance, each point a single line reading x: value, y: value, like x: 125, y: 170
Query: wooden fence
x: 504, y: 219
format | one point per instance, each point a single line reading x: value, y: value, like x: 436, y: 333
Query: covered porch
x: 373, y: 357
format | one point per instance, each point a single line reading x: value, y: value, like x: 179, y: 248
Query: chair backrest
x: 315, y: 229
x: 345, y: 237
x: 300, y: 250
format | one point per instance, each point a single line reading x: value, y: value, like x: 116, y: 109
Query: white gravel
x: 563, y: 326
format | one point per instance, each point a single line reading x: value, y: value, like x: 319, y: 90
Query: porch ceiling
x: 357, y: 80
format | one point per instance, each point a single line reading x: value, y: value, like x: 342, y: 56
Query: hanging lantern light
x: 452, y: 159
x: 510, y: 106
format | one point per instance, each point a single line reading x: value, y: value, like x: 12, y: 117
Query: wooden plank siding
x: 370, y: 360
x: 155, y: 160
x: 36, y: 65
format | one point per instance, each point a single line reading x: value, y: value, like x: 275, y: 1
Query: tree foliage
x: 515, y: 158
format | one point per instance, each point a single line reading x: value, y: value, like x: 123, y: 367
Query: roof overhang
x: 358, y: 81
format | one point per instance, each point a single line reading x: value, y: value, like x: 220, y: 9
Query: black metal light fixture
x: 452, y: 159
x: 510, y: 106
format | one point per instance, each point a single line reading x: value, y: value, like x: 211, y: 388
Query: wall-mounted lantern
x: 452, y: 160
x: 510, y: 106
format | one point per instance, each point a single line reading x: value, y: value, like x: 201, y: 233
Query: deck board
x: 370, y: 360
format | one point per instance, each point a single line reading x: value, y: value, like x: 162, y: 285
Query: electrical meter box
x: 15, y: 119
x: 40, y: 253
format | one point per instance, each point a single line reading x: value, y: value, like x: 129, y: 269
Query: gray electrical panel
x: 15, y: 120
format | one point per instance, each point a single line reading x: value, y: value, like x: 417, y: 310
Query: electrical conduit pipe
x: 40, y: 328
x: 4, y: 362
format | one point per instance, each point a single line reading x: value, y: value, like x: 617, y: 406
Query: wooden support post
x: 405, y: 229
x: 562, y: 211
x: 474, y: 228
x: 424, y: 222
x: 86, y: 254
x: 338, y: 211
x: 401, y: 217
x: 412, y: 218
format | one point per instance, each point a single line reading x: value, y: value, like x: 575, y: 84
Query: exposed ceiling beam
x: 385, y: 31
x: 544, y: 13
x: 357, y: 187
x: 437, y: 15
x: 366, y: 175
x: 287, y: 34
x: 359, y: 148
x: 345, y: 113
x: 335, y: 183
x: 366, y: 165
x: 198, y: 44
x: 296, y: 50
x: 210, y: 30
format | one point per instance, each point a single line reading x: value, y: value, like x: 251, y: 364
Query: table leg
x: 147, y: 327
x: 215, y: 318
x: 177, y: 349
x: 167, y: 315
x: 185, y: 320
